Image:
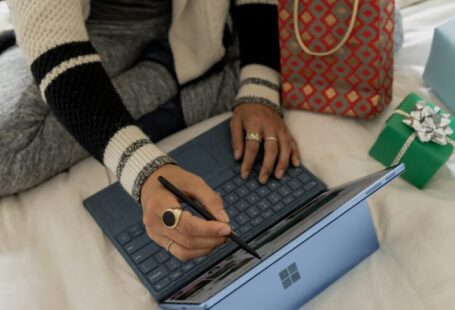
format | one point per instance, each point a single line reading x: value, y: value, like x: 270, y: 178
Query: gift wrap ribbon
x: 429, y: 126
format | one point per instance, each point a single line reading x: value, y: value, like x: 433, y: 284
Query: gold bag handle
x: 336, y: 48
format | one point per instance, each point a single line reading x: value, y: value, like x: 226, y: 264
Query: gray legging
x: 33, y: 144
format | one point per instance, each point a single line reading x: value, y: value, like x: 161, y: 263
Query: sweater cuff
x: 132, y: 156
x: 259, y: 84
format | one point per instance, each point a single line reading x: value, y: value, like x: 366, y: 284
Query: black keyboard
x: 252, y: 208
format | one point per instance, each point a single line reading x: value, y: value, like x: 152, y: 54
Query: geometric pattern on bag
x: 354, y: 81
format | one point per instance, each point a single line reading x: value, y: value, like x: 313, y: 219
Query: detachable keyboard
x: 252, y: 208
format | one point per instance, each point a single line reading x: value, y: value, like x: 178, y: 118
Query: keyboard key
x: 241, y: 219
x: 304, y: 178
x: 252, y: 184
x: 309, y: 185
x: 148, y: 265
x: 284, y: 179
x: 284, y: 191
x: 267, y: 214
x: 200, y: 259
x: 145, y: 253
x: 252, y: 198
x: 136, y: 244
x: 242, y: 191
x: 220, y: 191
x: 231, y: 198
x: 228, y: 187
x: 162, y: 256
x: 273, y: 198
x: 162, y: 284
x: 245, y: 228
x: 238, y: 181
x: 231, y: 211
x: 293, y: 172
x: 299, y: 192
x: 157, y: 274
x: 295, y: 184
x: 264, y: 204
x: 173, y: 264
x: 277, y: 207
x: 234, y: 225
x: 273, y: 185
x: 188, y: 267
x: 237, y: 168
x: 123, y: 238
x: 136, y: 231
x: 256, y: 221
x: 288, y: 199
x: 253, y: 212
x: 263, y: 191
x: 175, y: 275
x: 242, y: 205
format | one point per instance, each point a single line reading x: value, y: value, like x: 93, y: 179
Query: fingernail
x: 244, y: 174
x: 222, y: 215
x: 237, y: 154
x: 225, y: 231
x: 263, y: 179
x: 280, y: 173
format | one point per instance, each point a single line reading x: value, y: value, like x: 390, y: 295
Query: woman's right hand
x: 193, y: 237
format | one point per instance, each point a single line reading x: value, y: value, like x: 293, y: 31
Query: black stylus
x: 204, y: 213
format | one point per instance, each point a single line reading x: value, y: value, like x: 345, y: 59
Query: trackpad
x: 198, y: 160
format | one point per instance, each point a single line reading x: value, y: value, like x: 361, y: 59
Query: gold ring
x: 253, y: 136
x: 169, y: 244
x: 171, y: 217
x: 271, y: 138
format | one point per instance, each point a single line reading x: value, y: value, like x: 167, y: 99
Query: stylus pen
x: 204, y: 213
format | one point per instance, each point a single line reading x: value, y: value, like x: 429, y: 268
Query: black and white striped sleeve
x: 257, y: 23
x: 72, y: 81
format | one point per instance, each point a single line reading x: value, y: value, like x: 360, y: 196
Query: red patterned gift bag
x: 337, y: 55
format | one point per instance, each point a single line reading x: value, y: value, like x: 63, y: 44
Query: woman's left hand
x: 279, y: 145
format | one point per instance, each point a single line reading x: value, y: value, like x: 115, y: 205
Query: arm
x: 72, y: 81
x: 257, y: 107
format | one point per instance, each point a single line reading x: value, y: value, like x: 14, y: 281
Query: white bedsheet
x: 53, y: 255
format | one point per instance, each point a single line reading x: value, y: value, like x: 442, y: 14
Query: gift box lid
x: 439, y: 70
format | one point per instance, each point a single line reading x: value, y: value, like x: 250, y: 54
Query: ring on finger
x: 169, y: 244
x: 271, y: 138
x: 253, y: 136
x: 171, y: 217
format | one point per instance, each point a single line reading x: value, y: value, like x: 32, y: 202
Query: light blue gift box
x: 440, y: 69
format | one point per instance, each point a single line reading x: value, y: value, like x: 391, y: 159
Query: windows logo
x: 289, y: 275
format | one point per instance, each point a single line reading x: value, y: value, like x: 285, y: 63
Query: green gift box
x: 419, y: 135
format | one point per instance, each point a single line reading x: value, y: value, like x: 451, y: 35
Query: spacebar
x: 221, y: 178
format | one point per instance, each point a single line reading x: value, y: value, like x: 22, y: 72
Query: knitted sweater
x: 68, y: 71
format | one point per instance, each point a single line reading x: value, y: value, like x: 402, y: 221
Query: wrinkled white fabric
x: 54, y: 256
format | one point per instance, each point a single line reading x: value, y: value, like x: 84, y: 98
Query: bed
x: 54, y: 256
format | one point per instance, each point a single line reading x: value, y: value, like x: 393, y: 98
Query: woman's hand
x: 193, y: 237
x: 257, y: 118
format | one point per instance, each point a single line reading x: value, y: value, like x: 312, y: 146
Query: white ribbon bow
x: 429, y: 124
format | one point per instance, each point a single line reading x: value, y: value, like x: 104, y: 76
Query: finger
x: 251, y: 151
x: 195, y: 242
x: 211, y: 200
x: 237, y: 137
x: 194, y: 226
x: 270, y: 156
x: 295, y: 154
x: 285, y: 151
x: 178, y: 250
